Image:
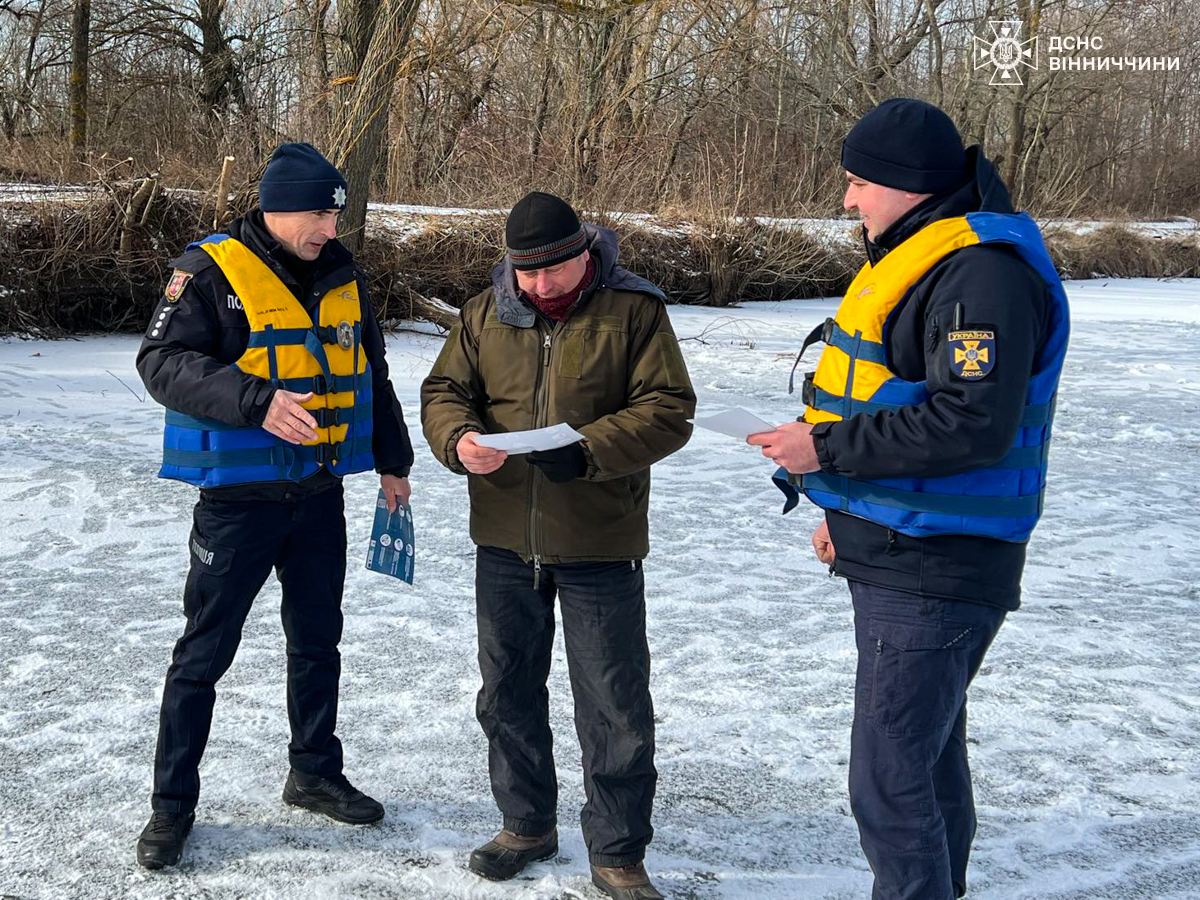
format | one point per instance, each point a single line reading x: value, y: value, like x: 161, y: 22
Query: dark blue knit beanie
x: 906, y: 144
x: 298, y: 178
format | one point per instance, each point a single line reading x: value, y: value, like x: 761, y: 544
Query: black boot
x: 334, y: 797
x: 625, y: 882
x: 161, y: 841
x: 507, y: 854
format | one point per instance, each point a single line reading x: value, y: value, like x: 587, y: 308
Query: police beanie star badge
x: 298, y: 178
x: 542, y: 230
x: 906, y: 144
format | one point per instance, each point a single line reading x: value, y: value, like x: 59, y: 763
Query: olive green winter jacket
x: 612, y: 371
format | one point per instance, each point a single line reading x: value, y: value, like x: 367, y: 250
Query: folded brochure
x: 391, y: 550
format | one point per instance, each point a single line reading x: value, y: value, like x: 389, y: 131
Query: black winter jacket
x: 187, y: 366
x: 964, y: 425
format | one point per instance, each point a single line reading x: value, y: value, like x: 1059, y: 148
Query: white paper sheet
x: 550, y: 438
x: 735, y: 422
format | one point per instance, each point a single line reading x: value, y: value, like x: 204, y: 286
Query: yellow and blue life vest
x: 1003, y: 500
x: 291, y: 351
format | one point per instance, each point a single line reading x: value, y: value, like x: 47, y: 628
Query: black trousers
x: 233, y: 546
x: 608, y: 659
x: 910, y: 783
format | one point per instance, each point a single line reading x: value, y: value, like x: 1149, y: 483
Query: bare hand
x: 287, y: 419
x: 478, y: 460
x: 395, y: 490
x: 790, y: 446
x: 823, y: 544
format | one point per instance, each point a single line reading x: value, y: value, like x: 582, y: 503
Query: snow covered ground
x: 1086, y: 718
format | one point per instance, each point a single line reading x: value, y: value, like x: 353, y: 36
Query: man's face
x: 553, y: 281
x: 878, y: 206
x: 303, y: 234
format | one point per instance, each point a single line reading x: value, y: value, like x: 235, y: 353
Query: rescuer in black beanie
x: 906, y: 144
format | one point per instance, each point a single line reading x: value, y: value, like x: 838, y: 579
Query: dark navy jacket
x: 965, y: 425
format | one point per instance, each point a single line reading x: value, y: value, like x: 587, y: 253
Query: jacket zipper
x: 538, y: 402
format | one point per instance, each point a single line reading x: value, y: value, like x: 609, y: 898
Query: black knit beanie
x: 906, y: 144
x: 542, y: 231
x: 299, y: 178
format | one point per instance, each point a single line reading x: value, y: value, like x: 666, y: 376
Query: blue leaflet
x: 391, y: 550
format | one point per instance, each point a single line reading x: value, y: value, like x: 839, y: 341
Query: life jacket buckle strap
x: 329, y: 454
x: 822, y: 332
x: 808, y: 390
x: 330, y: 416
x: 320, y: 384
x: 326, y: 334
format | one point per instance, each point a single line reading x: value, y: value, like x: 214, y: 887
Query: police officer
x: 270, y: 364
x: 925, y: 441
x: 563, y: 334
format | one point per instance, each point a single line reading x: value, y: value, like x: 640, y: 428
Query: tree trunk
x: 315, y: 67
x: 545, y: 38
x: 220, y: 80
x: 80, y: 32
x: 375, y: 36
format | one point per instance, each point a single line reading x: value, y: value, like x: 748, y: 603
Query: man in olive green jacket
x: 563, y: 335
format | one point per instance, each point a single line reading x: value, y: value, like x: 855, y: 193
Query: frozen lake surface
x: 1085, y: 719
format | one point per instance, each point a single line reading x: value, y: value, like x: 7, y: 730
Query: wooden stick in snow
x: 139, y: 198
x: 223, y: 192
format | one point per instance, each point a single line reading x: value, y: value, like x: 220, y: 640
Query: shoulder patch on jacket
x: 179, y: 281
x: 672, y: 360
x: 972, y: 353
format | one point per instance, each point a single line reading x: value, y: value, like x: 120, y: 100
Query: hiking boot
x: 507, y: 854
x: 333, y: 796
x: 161, y: 842
x: 625, y: 882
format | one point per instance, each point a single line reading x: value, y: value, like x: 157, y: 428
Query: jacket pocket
x: 919, y: 677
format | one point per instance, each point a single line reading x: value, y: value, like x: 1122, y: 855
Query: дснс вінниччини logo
x: 1006, y: 51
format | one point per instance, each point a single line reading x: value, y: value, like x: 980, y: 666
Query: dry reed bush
x: 448, y: 260
x: 62, y: 268
x: 46, y: 159
x: 1114, y: 251
x: 714, y: 264
x: 719, y: 262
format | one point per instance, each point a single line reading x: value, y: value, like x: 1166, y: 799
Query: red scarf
x: 556, y: 308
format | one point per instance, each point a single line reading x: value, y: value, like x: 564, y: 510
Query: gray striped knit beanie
x: 543, y: 231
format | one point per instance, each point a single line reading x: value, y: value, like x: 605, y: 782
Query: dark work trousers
x: 604, y: 628
x: 233, y: 546
x: 910, y: 784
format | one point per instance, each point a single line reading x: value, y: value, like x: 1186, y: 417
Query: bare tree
x: 81, y: 29
x: 374, y: 37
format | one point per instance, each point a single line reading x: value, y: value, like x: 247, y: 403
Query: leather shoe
x: 507, y: 854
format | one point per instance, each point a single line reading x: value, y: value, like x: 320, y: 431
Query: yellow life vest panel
x: 288, y: 349
x: 1002, y: 500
